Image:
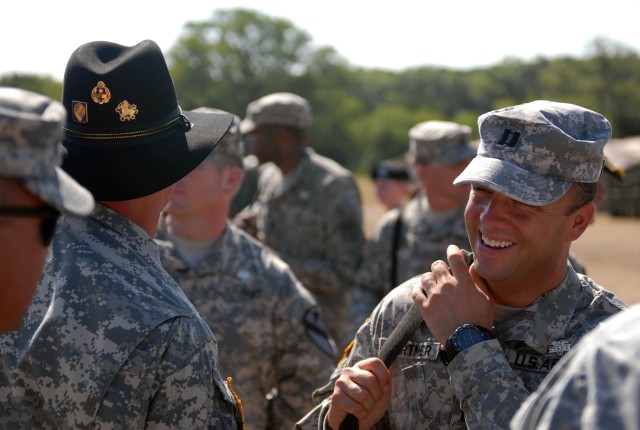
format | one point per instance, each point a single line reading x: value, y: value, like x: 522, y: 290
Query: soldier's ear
x: 231, y: 179
x: 581, y: 218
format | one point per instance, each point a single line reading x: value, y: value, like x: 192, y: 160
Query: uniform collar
x: 547, y: 319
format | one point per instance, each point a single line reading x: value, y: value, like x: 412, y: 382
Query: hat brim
x: 125, y: 169
x: 62, y: 192
x: 513, y: 181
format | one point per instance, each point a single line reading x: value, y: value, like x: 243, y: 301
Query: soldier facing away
x: 110, y: 339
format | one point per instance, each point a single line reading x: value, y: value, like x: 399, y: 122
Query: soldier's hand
x: 448, y: 297
x: 364, y: 391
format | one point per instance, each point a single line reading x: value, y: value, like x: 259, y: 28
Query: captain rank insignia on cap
x: 79, y: 111
x: 127, y: 111
x: 100, y: 93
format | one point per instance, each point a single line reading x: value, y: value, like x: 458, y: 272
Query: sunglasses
x: 49, y: 219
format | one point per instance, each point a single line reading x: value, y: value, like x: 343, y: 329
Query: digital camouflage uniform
x: 485, y: 384
x: 596, y: 386
x: 313, y: 219
x: 110, y: 340
x: 271, y: 335
x: 422, y: 240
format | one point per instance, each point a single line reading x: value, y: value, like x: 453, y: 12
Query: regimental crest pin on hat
x: 100, y: 93
x: 79, y: 112
x: 127, y: 111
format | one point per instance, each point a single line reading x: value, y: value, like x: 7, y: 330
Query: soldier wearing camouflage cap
x: 492, y: 330
x: 110, y: 339
x: 33, y: 193
x: 308, y: 207
x: 393, y: 182
x: 407, y: 240
x: 270, y: 332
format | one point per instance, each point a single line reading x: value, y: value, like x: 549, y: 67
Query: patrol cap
x: 30, y: 134
x: 535, y: 151
x: 391, y: 169
x: 125, y: 135
x: 277, y: 109
x: 442, y: 141
x: 231, y: 143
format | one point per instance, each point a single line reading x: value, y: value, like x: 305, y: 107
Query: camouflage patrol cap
x: 277, y: 109
x: 30, y: 133
x: 442, y: 141
x: 231, y: 143
x: 535, y: 151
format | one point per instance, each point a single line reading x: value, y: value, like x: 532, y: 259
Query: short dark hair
x: 582, y: 193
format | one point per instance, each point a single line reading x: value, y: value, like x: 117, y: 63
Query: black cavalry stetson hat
x: 125, y: 135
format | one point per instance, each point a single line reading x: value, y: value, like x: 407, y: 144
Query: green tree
x: 235, y: 57
x: 28, y: 81
x: 615, y: 69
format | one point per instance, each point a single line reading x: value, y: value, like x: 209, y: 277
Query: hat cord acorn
x: 180, y: 120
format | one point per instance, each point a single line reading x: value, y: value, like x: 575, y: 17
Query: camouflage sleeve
x: 595, y: 386
x: 171, y: 380
x: 489, y: 390
x: 305, y: 355
x: 344, y: 242
x: 362, y: 348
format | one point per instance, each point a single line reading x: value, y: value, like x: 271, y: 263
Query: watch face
x: 466, y: 337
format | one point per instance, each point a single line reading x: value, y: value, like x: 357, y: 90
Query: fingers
x: 360, y: 388
x: 457, y: 261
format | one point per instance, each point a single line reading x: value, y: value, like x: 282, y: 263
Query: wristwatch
x: 462, y: 338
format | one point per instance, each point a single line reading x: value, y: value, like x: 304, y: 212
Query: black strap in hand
x: 390, y: 349
x: 396, y: 342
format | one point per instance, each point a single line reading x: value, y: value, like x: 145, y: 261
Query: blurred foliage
x: 40, y: 84
x: 363, y: 115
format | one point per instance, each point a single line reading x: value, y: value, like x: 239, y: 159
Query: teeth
x: 496, y: 243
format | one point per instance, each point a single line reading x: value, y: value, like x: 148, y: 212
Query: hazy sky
x: 39, y: 36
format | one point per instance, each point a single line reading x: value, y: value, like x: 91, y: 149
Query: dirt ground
x: 609, y: 249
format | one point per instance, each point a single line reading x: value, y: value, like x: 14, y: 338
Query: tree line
x: 363, y: 115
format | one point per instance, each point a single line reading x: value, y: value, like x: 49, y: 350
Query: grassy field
x: 609, y: 249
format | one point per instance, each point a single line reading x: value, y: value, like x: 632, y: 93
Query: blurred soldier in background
x: 110, y: 339
x: 308, y: 207
x: 393, y: 182
x: 270, y: 331
x: 408, y: 239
